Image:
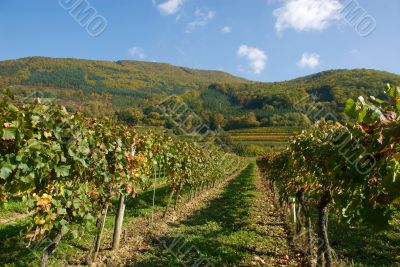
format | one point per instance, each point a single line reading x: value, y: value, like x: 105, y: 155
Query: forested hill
x: 98, y: 75
x: 130, y: 90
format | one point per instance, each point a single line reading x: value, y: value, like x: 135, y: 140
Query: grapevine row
x: 69, y: 167
x: 352, y: 169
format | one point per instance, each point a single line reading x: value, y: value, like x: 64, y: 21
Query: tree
x: 218, y: 121
x: 251, y: 117
x: 130, y: 116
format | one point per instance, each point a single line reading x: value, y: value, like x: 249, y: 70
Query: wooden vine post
x: 119, y: 218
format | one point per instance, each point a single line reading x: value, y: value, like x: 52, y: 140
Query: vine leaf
x: 9, y: 133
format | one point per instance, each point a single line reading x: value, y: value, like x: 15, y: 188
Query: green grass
x: 223, y: 233
x: 12, y: 250
x: 12, y: 207
x: 363, y: 246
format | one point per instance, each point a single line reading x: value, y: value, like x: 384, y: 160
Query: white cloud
x: 256, y: 57
x: 201, y: 19
x: 305, y: 15
x: 226, y: 29
x: 309, y: 60
x: 170, y: 7
x: 136, y: 52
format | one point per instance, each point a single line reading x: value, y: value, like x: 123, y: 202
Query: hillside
x: 103, y: 75
x: 131, y: 89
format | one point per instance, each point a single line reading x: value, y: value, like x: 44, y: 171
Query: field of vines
x: 347, y: 176
x: 77, y: 190
x: 273, y: 137
x: 68, y: 169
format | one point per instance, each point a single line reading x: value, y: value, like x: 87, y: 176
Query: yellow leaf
x: 396, y: 155
x: 40, y: 221
x: 47, y: 134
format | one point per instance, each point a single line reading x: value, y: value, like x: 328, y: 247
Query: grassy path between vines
x: 237, y: 227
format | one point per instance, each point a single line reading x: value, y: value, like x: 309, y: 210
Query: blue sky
x: 264, y: 40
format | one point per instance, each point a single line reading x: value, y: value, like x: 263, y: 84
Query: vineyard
x: 189, y: 133
x: 79, y: 190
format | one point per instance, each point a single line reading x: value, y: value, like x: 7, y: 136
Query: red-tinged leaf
x: 366, y: 128
x: 380, y: 139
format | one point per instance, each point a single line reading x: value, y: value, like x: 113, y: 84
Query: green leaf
x: 377, y: 100
x: 5, y: 172
x: 362, y: 114
x: 64, y: 229
x: 23, y: 167
x: 13, y: 108
x: 68, y: 192
x: 61, y: 211
x: 9, y: 133
x: 350, y: 107
x: 390, y: 90
x: 75, y: 233
x: 398, y: 106
x: 62, y: 171
x: 76, y: 203
x: 28, y: 178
